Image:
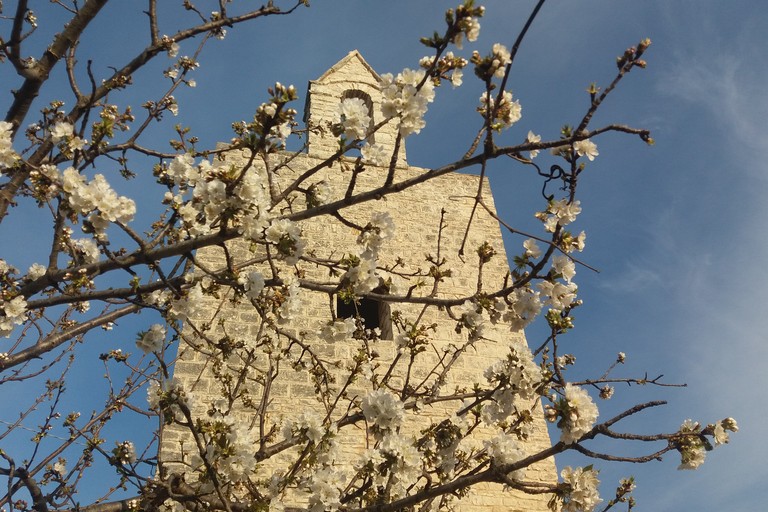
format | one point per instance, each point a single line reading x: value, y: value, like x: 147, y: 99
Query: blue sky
x: 677, y: 229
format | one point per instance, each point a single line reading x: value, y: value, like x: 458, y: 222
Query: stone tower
x: 429, y: 219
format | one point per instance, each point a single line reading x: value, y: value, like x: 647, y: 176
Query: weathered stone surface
x: 417, y: 214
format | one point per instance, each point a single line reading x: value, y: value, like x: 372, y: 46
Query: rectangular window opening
x: 375, y: 314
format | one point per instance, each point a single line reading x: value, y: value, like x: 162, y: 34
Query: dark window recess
x: 374, y: 313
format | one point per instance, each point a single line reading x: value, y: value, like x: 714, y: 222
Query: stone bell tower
x: 429, y: 218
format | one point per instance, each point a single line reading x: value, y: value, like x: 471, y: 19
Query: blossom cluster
x: 8, y: 156
x: 576, y: 411
x: 253, y: 284
x: 338, y: 330
x: 581, y: 489
x: 290, y: 300
x: 399, y: 463
x: 286, y: 237
x: 493, y: 65
x: 229, y: 448
x: 362, y: 275
x: 354, y: 117
x: 471, y: 317
x: 375, y: 154
x: 406, y: 97
x: 519, y: 308
x: 124, y: 452
x: 273, y: 120
x: 185, y: 307
x: 448, y: 63
x: 152, y: 340
x: 168, y: 397
x: 383, y: 409
x: 504, y: 449
x: 63, y: 133
x: 85, y: 250
x: 516, y: 376
x: 307, y: 425
x: 95, y: 200
x: 230, y: 188
x: 693, y: 445
x: 14, y: 312
x: 325, y: 487
x: 466, y: 22
x: 559, y: 212
x: 219, y: 189
x: 501, y: 115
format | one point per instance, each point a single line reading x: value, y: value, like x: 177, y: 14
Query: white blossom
x: 173, y: 49
x: 8, y: 156
x: 87, y: 249
x: 286, y: 236
x: 508, y: 112
x: 564, y: 266
x: 402, y: 99
x: 579, y: 414
x: 96, y: 198
x: 380, y: 229
x: 472, y: 318
x: 457, y: 77
x: 559, y: 295
x: 525, y: 306
x: 383, y: 409
x: 338, y: 330
x: 582, y: 494
x: 62, y: 131
x: 721, y: 429
x: 59, y: 467
x: 532, y: 249
x: 363, y: 275
x: 517, y: 371
x: 14, y: 313
x: 253, y: 283
x: 469, y: 27
x: 125, y: 452
x: 501, y: 57
x: 354, y: 117
x: 407, y: 463
x: 586, y: 148
x: 152, y: 340
x: 186, y: 307
x: 325, y: 488
x: 6, y: 268
x: 375, y: 154
x: 532, y: 137
x: 504, y: 449
x: 36, y: 271
x: 182, y: 170
x: 565, y: 211
x: 308, y: 424
x: 691, y: 448
x: 291, y: 306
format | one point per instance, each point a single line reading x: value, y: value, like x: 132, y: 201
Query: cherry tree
x: 67, y: 152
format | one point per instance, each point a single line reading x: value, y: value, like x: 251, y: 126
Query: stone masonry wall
x: 417, y: 215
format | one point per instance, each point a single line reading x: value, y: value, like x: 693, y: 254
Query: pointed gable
x: 353, y: 64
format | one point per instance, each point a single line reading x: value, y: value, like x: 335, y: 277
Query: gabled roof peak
x: 352, y: 57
